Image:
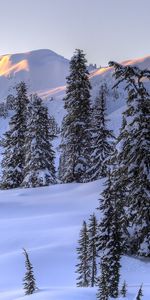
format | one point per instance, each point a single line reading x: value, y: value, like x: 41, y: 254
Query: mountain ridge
x: 40, y: 69
x: 45, y: 72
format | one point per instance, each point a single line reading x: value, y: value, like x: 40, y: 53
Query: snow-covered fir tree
x: 76, y: 138
x: 29, y: 282
x: 3, y: 110
x: 123, y: 291
x: 10, y: 102
x: 102, y: 137
x: 110, y: 236
x: 134, y: 155
x: 39, y: 159
x: 92, y: 230
x: 103, y: 288
x: 63, y: 165
x: 118, y: 193
x: 83, y: 267
x: 61, y: 168
x: 139, y: 295
x: 53, y: 126
x: 14, y: 142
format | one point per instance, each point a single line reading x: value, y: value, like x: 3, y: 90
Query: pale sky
x: 104, y: 29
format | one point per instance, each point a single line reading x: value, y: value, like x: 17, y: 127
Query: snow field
x: 46, y: 221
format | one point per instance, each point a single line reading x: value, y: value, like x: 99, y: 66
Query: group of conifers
x: 89, y: 151
x: 30, y: 286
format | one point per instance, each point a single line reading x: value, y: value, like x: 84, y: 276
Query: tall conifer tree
x: 103, y: 287
x: 83, y: 266
x: 14, y: 142
x: 102, y: 137
x: 110, y: 237
x: 39, y: 158
x: 134, y: 155
x: 76, y: 139
x: 92, y: 229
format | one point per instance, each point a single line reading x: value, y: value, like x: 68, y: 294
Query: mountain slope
x: 46, y: 221
x: 41, y: 70
x: 45, y: 72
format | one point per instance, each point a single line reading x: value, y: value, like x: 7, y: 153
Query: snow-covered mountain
x: 45, y: 73
x: 42, y: 70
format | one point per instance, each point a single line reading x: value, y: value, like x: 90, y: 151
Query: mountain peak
x: 41, y: 69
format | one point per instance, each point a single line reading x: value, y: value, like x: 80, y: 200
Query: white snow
x: 45, y: 70
x: 46, y: 221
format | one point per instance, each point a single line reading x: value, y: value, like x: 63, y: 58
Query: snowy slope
x: 42, y: 70
x: 46, y: 221
x: 45, y: 73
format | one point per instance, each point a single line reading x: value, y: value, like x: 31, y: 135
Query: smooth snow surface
x: 46, y: 221
x: 42, y: 70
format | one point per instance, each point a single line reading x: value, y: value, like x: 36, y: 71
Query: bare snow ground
x: 46, y: 221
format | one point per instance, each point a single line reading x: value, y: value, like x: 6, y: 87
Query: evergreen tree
x: 39, y: 158
x: 53, y: 126
x: 83, y: 267
x: 103, y: 288
x: 10, y: 102
x: 92, y: 248
x: 102, y: 137
x: 123, y: 291
x: 3, y: 110
x: 61, y: 167
x: 110, y: 236
x: 76, y: 138
x: 139, y: 294
x: 29, y: 280
x: 134, y: 155
x: 118, y: 193
x: 14, y: 142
